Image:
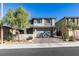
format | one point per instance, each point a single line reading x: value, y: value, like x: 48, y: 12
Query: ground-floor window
x: 29, y: 31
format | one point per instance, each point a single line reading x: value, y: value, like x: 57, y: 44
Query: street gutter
x: 39, y: 45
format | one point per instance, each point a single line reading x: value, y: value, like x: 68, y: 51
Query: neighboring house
x: 5, y: 31
x: 61, y: 24
x: 42, y: 27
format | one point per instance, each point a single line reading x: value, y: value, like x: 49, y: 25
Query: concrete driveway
x: 47, y: 40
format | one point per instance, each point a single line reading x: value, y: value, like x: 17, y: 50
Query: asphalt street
x: 62, y: 51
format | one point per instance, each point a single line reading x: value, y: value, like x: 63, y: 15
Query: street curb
x: 41, y: 45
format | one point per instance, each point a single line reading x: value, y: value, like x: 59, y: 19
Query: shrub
x: 30, y: 38
x: 71, y: 38
x: 9, y: 36
x: 65, y: 35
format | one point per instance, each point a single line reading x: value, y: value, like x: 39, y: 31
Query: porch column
x: 25, y: 31
x: 51, y: 33
x: 53, y: 22
x: 43, y: 22
x: 75, y: 21
x: 34, y: 33
x: 78, y: 21
x: 69, y: 19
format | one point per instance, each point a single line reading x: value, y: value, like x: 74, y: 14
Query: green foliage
x: 9, y: 18
x: 65, y: 35
x: 17, y: 18
x: 71, y: 38
x: 71, y: 25
x: 21, y: 18
x: 30, y: 38
x: 10, y: 36
x: 1, y: 23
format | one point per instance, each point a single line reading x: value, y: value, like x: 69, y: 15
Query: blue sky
x: 57, y: 10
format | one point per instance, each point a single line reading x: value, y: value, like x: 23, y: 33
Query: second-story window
x: 77, y: 21
x: 67, y: 20
x: 73, y: 20
x: 49, y: 21
x: 35, y: 21
x: 39, y: 21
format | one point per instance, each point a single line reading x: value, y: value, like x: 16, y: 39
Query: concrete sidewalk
x: 42, y: 45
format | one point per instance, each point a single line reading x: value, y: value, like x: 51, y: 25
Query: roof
x: 43, y: 18
x: 7, y: 27
x: 72, y: 17
x: 67, y: 17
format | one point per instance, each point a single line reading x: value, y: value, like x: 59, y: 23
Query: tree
x: 21, y: 18
x: 9, y: 20
x: 17, y: 19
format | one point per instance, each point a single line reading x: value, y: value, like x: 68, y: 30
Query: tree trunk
x: 1, y: 35
x: 73, y: 35
x: 17, y: 34
x: 18, y: 38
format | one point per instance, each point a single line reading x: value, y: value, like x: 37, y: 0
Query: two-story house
x: 61, y: 24
x: 43, y: 27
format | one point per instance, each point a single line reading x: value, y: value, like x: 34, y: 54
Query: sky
x: 0, y: 10
x: 58, y: 10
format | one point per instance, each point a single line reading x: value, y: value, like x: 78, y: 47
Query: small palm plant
x: 73, y: 27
